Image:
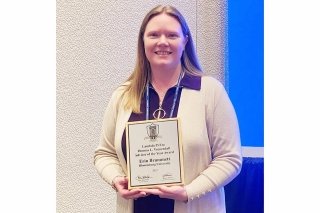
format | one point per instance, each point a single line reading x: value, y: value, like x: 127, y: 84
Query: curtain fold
x: 245, y: 194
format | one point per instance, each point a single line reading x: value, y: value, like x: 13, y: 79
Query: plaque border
x: 181, y: 182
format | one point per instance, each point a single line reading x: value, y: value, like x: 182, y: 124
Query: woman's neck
x: 164, y: 79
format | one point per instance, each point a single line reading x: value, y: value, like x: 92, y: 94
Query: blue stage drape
x: 245, y: 194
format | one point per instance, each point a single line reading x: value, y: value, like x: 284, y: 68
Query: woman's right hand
x: 121, y: 184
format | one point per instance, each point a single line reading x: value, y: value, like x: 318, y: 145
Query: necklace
x: 161, y: 112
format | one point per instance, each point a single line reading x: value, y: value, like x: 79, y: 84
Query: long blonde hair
x: 142, y: 71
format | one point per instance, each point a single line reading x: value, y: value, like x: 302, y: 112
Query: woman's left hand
x: 171, y: 192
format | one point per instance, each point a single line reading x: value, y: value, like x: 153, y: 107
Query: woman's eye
x: 172, y: 35
x: 153, y: 35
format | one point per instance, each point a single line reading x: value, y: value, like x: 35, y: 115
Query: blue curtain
x: 245, y: 194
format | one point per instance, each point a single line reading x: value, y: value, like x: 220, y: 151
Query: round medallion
x: 159, y: 113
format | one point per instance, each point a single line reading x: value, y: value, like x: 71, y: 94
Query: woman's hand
x: 171, y: 192
x: 121, y: 184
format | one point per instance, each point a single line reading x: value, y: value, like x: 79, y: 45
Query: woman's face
x: 164, y: 42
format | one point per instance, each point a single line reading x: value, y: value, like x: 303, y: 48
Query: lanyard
x: 174, y: 99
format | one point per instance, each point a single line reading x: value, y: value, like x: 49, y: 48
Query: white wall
x: 96, y: 49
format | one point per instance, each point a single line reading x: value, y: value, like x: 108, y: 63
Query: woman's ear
x: 186, y: 39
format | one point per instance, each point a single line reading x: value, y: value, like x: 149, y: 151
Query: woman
x: 168, y: 82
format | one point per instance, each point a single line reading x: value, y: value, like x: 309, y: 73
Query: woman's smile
x: 163, y: 52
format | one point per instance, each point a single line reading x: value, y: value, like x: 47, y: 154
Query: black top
x: 154, y: 203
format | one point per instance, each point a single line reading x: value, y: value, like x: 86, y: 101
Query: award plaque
x: 154, y: 153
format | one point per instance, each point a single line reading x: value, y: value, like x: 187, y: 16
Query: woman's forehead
x: 163, y: 21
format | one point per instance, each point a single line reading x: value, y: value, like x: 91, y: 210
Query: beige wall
x: 96, y: 47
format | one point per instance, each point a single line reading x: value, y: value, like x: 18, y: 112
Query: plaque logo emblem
x: 153, y: 131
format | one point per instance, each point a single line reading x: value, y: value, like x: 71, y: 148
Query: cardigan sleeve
x: 105, y: 157
x: 224, y: 139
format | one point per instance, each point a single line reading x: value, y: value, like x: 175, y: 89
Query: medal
x: 161, y: 113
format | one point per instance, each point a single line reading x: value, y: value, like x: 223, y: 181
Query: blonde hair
x: 142, y: 72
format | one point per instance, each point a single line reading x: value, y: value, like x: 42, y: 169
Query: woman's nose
x: 163, y: 40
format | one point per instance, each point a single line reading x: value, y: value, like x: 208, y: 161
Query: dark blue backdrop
x: 245, y: 67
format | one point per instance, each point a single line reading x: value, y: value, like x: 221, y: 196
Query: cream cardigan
x: 211, y: 146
